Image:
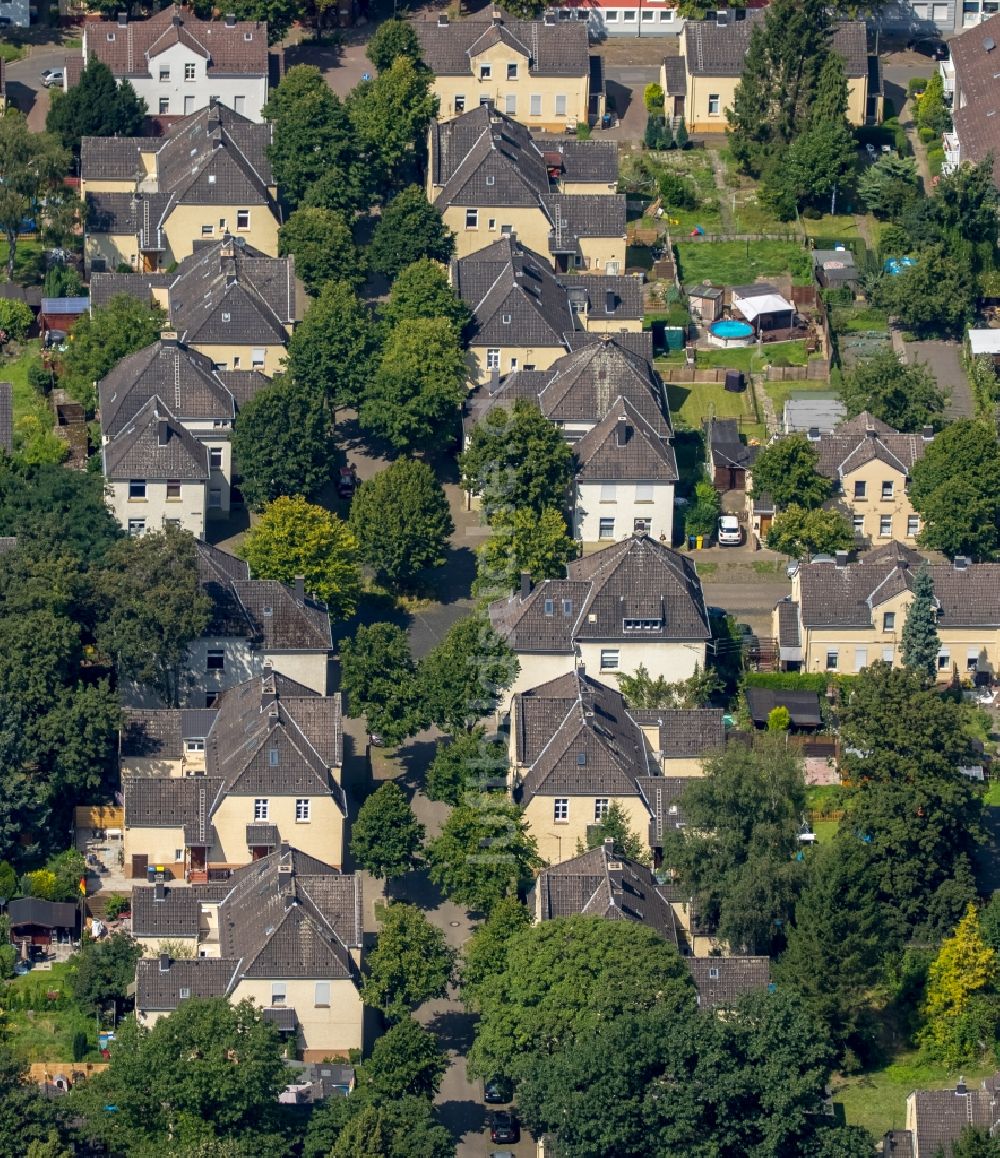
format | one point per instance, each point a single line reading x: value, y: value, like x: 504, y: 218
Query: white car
x: 730, y: 531
x: 53, y: 77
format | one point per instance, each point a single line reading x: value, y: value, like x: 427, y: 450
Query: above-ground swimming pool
x: 730, y: 333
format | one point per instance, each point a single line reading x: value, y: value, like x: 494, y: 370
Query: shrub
x: 652, y: 98
x: 79, y: 1045
x: 15, y: 320
x: 39, y: 378
x: 118, y: 903
x: 926, y: 134
x: 582, y: 131
x: 917, y: 84
x: 676, y: 192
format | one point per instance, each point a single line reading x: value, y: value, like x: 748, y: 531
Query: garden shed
x: 37, y: 922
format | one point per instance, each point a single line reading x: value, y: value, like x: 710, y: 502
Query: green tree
x: 484, y: 954
x: 334, y: 348
x: 735, y: 851
x: 931, y: 111
x: 641, y: 690
x: 889, y: 185
x: 414, y: 399
x: 153, y: 608
x: 221, y: 1063
x: 35, y: 443
x: 564, y: 978
x: 469, y: 762
x: 702, y: 517
x: 779, y: 719
x: 403, y: 1129
x: 33, y: 166
x: 517, y: 460
x: 410, y: 964
x: 292, y: 537
x: 379, y: 679
x: 386, y: 835
x: 483, y: 853
x: 282, y: 444
x: 27, y: 1117
x: 279, y: 15
x: 951, y: 488
x: 15, y: 320
x: 653, y: 98
x: 324, y: 248
x: 974, y: 1143
x: 96, y: 106
x: 102, y: 971
x: 786, y: 470
x: 391, y: 39
x: 402, y: 522
x: 905, y: 397
x: 406, y: 1059
x: 409, y: 229
x: 57, y: 511
x: 936, y: 296
x: 61, y: 281
x: 614, y: 826
x: 102, y: 338
x: 523, y: 542
x: 462, y: 679
x: 798, y: 532
x: 920, y: 642
x: 422, y: 290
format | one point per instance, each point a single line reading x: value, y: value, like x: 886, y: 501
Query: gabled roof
x: 587, y: 745
x: 484, y: 158
x: 154, y: 445
x: 663, y: 796
x: 724, y: 446
x: 165, y: 911
x: 684, y: 732
x: 160, y: 990
x: 171, y: 802
x: 713, y: 49
x: 237, y: 50
x: 941, y: 1116
x: 722, y: 981
x: 573, y: 216
x: 560, y: 49
x: 115, y: 158
x: 601, y: 883
x: 635, y: 579
x: 166, y: 369
x: 49, y: 914
x: 624, y: 446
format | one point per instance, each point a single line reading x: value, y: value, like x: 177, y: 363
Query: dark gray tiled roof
x: 788, y: 624
x: 35, y: 911
x: 940, y: 1116
x: 803, y: 707
x: 713, y: 49
x: 149, y: 733
x: 676, y: 74
x: 484, y: 158
x: 168, y: 370
x: 898, y: 1144
x: 866, y: 439
x: 722, y: 981
x: 6, y: 417
x: 583, y: 215
x: 282, y: 1017
x: 602, y: 884
x: 136, y: 451
x: 115, y: 158
x: 637, y: 578
x: 685, y: 732
x: 105, y: 286
x: 243, y: 384
x: 262, y: 835
x: 833, y: 596
x: 663, y: 796
x: 171, y: 802
x: 722, y: 436
x: 562, y: 49
x: 158, y: 990
x: 592, y: 162
x: 591, y: 748
x: 624, y: 447
x: 608, y: 297
x: 175, y: 914
x: 281, y: 620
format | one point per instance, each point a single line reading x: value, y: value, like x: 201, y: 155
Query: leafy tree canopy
x: 103, y: 970
x: 96, y: 106
x: 641, y: 690
x: 33, y: 166
x: 379, y: 678
x: 936, y: 296
x: 786, y: 470
x: 471, y: 762
x: 463, y: 677
x: 391, y: 39
x: 615, y: 827
x: 422, y: 290
x: 523, y: 542
x: 406, y: 1059
x: 386, y: 835
x: 484, y: 955
x: 920, y: 642
x: 324, y: 248
x: 409, y: 229
x: 333, y: 350
x: 798, y: 532
x: 410, y: 964
x: 905, y: 396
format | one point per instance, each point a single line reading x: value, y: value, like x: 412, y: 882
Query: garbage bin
x: 690, y: 542
x: 698, y: 542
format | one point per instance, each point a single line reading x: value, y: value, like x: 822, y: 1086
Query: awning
x: 753, y: 308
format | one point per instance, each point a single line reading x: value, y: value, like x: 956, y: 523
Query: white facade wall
x: 673, y: 661
x: 216, y: 438
x: 592, y: 504
x: 307, y: 667
x: 155, y: 510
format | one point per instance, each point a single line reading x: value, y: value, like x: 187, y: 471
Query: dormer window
x: 268, y: 610
x: 642, y: 624
x: 713, y: 973
x: 111, y: 37
x: 485, y: 71
x: 248, y: 36
x: 226, y: 317
x: 505, y: 318
x: 211, y: 178
x: 581, y: 759
x: 550, y: 607
x: 567, y: 607
x: 491, y: 180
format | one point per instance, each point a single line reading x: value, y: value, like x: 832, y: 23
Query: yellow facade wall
x: 558, y: 841
x: 185, y: 225
x: 322, y: 836
x: 872, y: 507
x: 513, y: 358
x: 324, y: 1031
x: 241, y: 357
x: 598, y: 252
x: 697, y: 106
x: 531, y: 227
x: 159, y: 845
x: 103, y: 185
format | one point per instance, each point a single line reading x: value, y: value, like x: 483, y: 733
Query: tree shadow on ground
x: 455, y: 1029
x: 462, y: 1117
x: 416, y: 888
x: 416, y: 757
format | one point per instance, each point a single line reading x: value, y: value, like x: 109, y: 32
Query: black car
x: 930, y: 46
x: 504, y: 1127
x: 498, y: 1091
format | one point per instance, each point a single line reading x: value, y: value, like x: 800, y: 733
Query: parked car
x: 930, y: 46
x: 53, y: 76
x: 347, y: 483
x: 498, y: 1091
x: 730, y: 531
x: 504, y: 1127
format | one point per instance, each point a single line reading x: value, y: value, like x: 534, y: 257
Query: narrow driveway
x: 24, y: 83
x: 944, y: 360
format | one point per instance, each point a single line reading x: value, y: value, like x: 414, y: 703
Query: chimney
x: 497, y: 18
x: 610, y: 301
x: 525, y: 584
x: 159, y: 891
x: 300, y: 588
x: 443, y: 20
x: 122, y: 19
x: 162, y: 432
x: 843, y: 558
x: 230, y: 19
x: 164, y: 962
x: 927, y: 433
x: 813, y: 434
x: 609, y: 846
x: 621, y: 432
x: 961, y: 1087
x: 168, y: 339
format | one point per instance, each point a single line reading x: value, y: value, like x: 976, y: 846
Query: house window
x: 560, y: 810
x: 173, y: 489
x: 242, y: 218
x: 611, y: 16
x: 136, y: 526
x: 240, y: 105
x: 188, y: 105
x: 214, y: 498
x: 860, y: 658
x: 137, y: 488
x: 832, y: 660
x: 887, y: 654
x: 279, y: 993
x: 257, y: 358
x: 713, y: 973
x: 887, y: 489
x: 485, y: 71
x: 609, y: 659
x: 535, y: 103
x: 322, y: 997
x: 644, y: 492
x: 512, y: 72
x: 859, y: 524
x: 179, y: 855
x: 207, y: 230
x: 560, y: 105
x: 567, y: 605
x: 164, y: 74
x: 943, y: 661
x: 215, y: 457
x: 472, y: 219
x: 648, y: 14
x: 889, y: 621
x: 642, y: 624
x: 491, y: 180
x: 194, y: 745
x: 713, y: 104
x: 273, y: 757
x: 860, y: 489
x: 216, y: 660
x: 642, y: 525
x: 510, y: 104
x: 628, y: 15
x: 912, y: 526
x: 972, y: 659
x: 550, y: 607
x: 667, y: 16
x: 175, y: 523
x: 492, y: 359
x: 608, y: 493
x: 885, y: 527
x: 460, y: 104
x: 302, y: 810
x: 491, y: 225
x: 261, y: 809
x: 606, y: 528
x: 189, y: 72
x: 601, y: 807
x: 183, y: 993
x: 226, y: 317
x: 164, y: 106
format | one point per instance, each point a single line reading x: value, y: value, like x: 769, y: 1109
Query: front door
x: 197, y: 859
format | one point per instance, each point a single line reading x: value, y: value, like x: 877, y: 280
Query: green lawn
x: 741, y: 358
x: 741, y: 262
x: 691, y: 403
x: 27, y: 400
x: 10, y: 52
x: 860, y: 320
x: 780, y: 392
x: 823, y: 799
x: 840, y: 226
x: 45, y: 1031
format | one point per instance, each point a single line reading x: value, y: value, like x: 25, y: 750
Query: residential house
x: 489, y: 177
x: 524, y: 316
x: 15, y: 13
x: 612, y: 18
x: 869, y: 465
x: 211, y: 790
x: 682, y: 738
x: 970, y: 80
x: 178, y: 63
x: 835, y: 268
x: 229, y: 301
x: 729, y: 458
x: 935, y: 1119
x: 722, y: 981
x: 285, y: 932
x: 634, y: 603
x: 157, y: 473
x: 40, y: 924
x: 150, y: 200
x: 842, y: 616
x: 712, y: 53
x: 537, y: 71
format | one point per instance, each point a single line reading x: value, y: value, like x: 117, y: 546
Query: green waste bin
x: 674, y: 337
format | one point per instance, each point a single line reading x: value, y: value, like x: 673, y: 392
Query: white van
x: 730, y: 531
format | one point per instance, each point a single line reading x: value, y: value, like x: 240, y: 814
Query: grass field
x: 27, y: 400
x: 863, y: 319
x: 740, y: 262
x: 840, y: 227
x: 41, y: 1033
x: 693, y: 402
x: 780, y: 392
x: 745, y: 358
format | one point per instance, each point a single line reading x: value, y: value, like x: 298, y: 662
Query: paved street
x: 944, y: 360
x: 24, y: 83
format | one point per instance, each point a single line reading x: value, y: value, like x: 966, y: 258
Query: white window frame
x: 303, y: 810
x: 644, y: 492
x: 137, y: 526
x: 194, y: 745
x: 714, y: 99
x: 609, y: 493
x: 215, y: 457
x: 611, y: 16
x: 215, y: 660
x: 602, y: 806
x: 885, y: 526
x: 835, y: 657
x: 189, y: 72
x: 860, y: 489
x: 912, y: 526
x: 164, y: 106
x: 164, y: 73
x: 535, y: 104
x: 889, y: 621
x: 560, y: 104
x: 215, y: 498
x: 242, y: 219
x: 261, y: 809
x: 510, y: 104
x: 279, y: 993
x: 486, y: 72
x: 273, y: 758
x: 888, y: 490
x: 188, y: 105
x: 606, y: 528
x: 511, y: 70
x: 257, y: 357
x: 560, y: 810
x: 492, y: 359
x: 137, y: 490
x: 472, y: 219
x: 321, y: 995
x: 610, y: 659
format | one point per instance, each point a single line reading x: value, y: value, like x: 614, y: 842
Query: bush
x: 15, y: 320
x: 652, y: 98
x: 582, y: 131
x: 118, y: 903
x: 39, y: 378
x: 926, y: 134
x: 916, y: 85
x: 787, y: 681
x: 79, y: 1045
x: 676, y: 192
